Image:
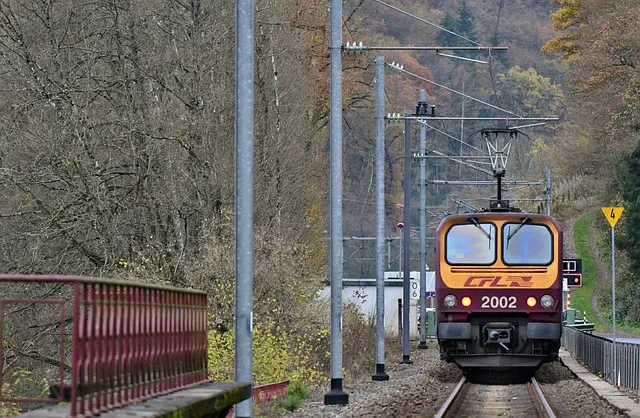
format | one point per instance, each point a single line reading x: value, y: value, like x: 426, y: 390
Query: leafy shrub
x: 277, y: 355
x: 9, y: 390
x: 359, y: 342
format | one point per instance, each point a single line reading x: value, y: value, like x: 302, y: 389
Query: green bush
x: 297, y: 389
x: 290, y: 403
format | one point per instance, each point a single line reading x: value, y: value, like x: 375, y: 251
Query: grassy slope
x: 581, y: 297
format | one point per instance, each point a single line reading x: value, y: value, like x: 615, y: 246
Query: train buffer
x: 122, y: 349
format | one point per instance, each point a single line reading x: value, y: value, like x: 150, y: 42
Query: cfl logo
x: 499, y: 281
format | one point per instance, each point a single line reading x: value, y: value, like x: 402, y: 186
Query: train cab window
x: 472, y: 243
x: 523, y: 243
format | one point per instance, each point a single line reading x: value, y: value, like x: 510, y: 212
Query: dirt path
x: 569, y: 251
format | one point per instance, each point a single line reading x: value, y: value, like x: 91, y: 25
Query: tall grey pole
x: 400, y: 252
x: 407, y: 242
x: 548, y: 191
x: 244, y: 197
x: 336, y: 396
x: 461, y: 126
x: 380, y: 374
x: 423, y: 232
x: 613, y: 303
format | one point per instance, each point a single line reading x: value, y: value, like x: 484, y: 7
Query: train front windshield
x: 527, y: 244
x: 522, y: 243
x: 473, y: 243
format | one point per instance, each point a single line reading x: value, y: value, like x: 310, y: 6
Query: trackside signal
x: 572, y: 271
x: 573, y: 279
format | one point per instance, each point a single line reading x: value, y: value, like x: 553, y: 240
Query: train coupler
x: 498, y: 333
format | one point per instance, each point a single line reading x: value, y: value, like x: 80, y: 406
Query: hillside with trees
x: 117, y: 154
x: 117, y: 141
x: 521, y: 80
x: 597, y: 43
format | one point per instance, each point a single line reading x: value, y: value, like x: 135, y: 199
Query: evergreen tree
x: 465, y: 24
x: 629, y: 240
x: 466, y: 27
x: 445, y: 38
x: 629, y: 175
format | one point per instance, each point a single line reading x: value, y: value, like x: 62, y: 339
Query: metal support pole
x: 423, y: 232
x: 336, y: 396
x: 461, y: 127
x: 400, y: 253
x: 407, y: 243
x: 380, y: 374
x: 613, y: 303
x: 400, y: 318
x: 548, y: 191
x: 389, y: 255
x: 244, y: 197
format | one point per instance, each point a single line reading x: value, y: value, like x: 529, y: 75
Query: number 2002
x: 499, y: 302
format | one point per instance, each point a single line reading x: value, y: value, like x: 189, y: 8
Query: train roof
x: 516, y: 216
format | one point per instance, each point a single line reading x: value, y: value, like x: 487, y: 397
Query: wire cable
x: 426, y: 21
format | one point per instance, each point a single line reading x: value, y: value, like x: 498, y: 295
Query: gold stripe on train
x: 499, y: 280
x: 498, y: 270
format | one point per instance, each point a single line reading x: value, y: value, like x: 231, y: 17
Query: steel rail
x: 455, y: 400
x: 453, y: 397
x: 540, y: 399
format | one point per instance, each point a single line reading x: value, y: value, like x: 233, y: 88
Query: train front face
x: 499, y: 290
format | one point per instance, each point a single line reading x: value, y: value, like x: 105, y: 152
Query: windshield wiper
x: 524, y: 221
x: 475, y: 222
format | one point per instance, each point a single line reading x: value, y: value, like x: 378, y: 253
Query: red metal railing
x: 129, y: 341
x: 260, y: 395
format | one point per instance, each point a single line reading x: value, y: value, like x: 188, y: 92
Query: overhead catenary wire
x: 461, y: 58
x: 449, y: 136
x: 426, y: 21
x: 463, y: 163
x: 401, y: 69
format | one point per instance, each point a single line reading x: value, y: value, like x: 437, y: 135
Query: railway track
x: 478, y: 400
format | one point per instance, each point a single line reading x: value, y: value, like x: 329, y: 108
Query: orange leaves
x: 570, y: 15
x: 562, y: 44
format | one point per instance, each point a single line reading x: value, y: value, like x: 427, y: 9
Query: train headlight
x: 531, y: 301
x: 466, y: 301
x: 546, y: 301
x: 450, y: 301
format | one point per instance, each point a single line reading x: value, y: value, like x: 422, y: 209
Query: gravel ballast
x: 419, y: 389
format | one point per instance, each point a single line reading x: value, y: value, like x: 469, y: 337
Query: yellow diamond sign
x: 612, y: 215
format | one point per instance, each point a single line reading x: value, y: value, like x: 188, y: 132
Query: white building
x: 362, y: 293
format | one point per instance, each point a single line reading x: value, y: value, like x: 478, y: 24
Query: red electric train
x: 499, y: 290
